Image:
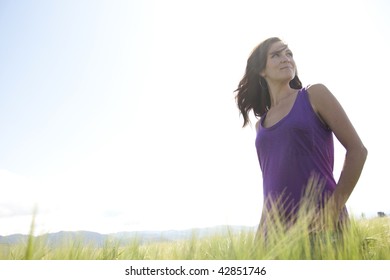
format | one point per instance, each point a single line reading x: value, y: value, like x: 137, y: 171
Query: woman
x: 295, y: 135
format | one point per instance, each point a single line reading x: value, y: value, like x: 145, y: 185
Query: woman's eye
x: 290, y: 54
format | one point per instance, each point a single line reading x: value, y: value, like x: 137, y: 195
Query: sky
x: 120, y: 115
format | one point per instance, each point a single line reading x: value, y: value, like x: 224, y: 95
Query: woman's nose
x: 286, y: 58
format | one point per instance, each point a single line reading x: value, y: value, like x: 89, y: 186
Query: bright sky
x: 120, y: 115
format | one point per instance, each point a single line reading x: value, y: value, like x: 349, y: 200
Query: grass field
x: 365, y: 239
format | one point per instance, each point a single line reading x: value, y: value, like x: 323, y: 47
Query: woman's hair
x: 252, y: 91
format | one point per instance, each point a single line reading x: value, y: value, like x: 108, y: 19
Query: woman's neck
x: 279, y: 92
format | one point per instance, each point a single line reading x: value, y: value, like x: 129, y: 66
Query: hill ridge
x: 123, y: 237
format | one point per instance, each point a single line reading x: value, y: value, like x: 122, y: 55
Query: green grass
x: 365, y: 239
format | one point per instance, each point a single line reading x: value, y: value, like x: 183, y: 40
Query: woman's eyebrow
x: 280, y: 50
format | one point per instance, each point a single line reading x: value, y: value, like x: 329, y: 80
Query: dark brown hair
x: 252, y: 91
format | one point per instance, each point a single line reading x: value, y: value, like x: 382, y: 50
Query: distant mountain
x: 122, y: 238
x: 13, y: 239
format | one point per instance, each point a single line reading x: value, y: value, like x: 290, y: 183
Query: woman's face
x: 280, y: 66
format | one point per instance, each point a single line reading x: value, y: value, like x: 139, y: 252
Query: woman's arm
x: 333, y: 115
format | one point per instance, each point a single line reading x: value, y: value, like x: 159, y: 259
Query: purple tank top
x: 293, y: 149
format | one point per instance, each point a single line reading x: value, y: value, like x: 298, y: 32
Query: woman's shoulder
x: 257, y: 125
x: 316, y: 89
x: 318, y: 93
x: 258, y: 122
x: 321, y: 99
